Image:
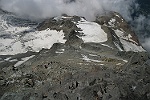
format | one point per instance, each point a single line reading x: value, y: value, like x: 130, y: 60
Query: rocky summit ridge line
x: 80, y: 60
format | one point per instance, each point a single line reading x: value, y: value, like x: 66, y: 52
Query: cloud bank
x: 50, y: 8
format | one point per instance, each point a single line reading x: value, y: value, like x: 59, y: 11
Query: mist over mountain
x: 50, y: 8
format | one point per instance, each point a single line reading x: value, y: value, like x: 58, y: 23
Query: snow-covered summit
x: 20, y: 36
x: 110, y: 30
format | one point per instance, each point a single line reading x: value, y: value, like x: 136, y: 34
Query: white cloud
x: 50, y: 8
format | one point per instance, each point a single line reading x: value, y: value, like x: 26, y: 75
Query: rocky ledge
x: 100, y: 60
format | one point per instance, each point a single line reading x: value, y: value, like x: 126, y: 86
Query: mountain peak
x: 111, y: 29
x: 71, y: 58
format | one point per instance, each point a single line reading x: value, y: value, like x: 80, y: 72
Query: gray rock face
x: 80, y: 70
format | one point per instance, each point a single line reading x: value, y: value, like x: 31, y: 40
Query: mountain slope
x: 80, y: 60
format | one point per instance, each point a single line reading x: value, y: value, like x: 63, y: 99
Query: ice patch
x: 107, y: 46
x: 7, y: 59
x: 19, y: 42
x: 128, y: 37
x: 62, y: 50
x: 33, y: 41
x: 129, y: 46
x: 118, y: 64
x: 125, y: 61
x: 23, y: 60
x: 59, y: 52
x: 117, y: 15
x: 93, y: 55
x: 128, y: 43
x: 112, y: 22
x: 88, y: 59
x: 92, y: 32
x: 44, y: 39
x: 13, y: 60
x: 101, y: 64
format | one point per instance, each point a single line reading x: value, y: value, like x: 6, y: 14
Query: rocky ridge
x: 100, y: 60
